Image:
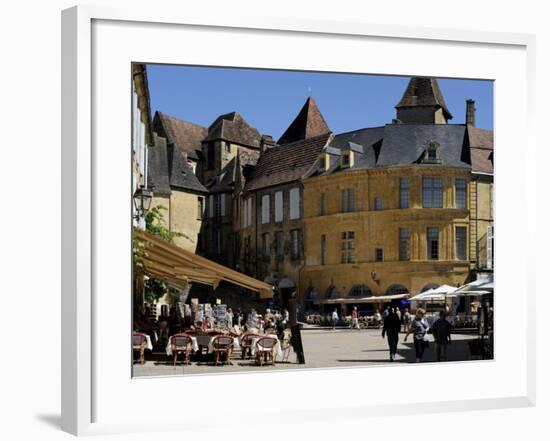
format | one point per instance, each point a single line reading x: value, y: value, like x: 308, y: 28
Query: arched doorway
x: 360, y: 291
x: 332, y: 293
x: 396, y: 288
x: 310, y: 297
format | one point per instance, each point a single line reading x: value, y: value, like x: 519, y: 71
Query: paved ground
x: 323, y: 348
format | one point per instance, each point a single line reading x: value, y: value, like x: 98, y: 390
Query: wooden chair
x: 246, y: 342
x: 181, y: 343
x: 139, y: 343
x: 265, y: 349
x: 222, y: 344
x: 285, y: 344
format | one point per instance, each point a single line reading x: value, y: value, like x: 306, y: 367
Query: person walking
x: 398, y: 312
x: 334, y: 319
x: 442, y: 336
x: 406, y: 320
x: 419, y: 328
x: 354, y: 319
x: 392, y: 326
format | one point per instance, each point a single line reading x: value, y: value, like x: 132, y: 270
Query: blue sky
x: 269, y: 100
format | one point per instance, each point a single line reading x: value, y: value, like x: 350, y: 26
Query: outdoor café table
x: 194, y: 345
x: 278, y: 350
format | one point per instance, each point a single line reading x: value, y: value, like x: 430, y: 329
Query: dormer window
x: 324, y: 161
x: 346, y: 160
x: 431, y: 152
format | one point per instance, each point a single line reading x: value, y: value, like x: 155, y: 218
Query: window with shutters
x: 294, y: 203
x: 279, y: 206
x: 265, y: 209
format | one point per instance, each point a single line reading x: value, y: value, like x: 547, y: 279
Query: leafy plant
x: 154, y: 223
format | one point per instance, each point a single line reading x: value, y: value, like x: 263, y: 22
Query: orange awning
x: 176, y: 266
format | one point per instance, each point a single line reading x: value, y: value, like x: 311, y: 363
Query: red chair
x: 181, y: 343
x: 265, y: 349
x: 139, y: 343
x: 246, y: 342
x: 222, y: 344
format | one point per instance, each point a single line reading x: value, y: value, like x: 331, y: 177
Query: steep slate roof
x: 186, y: 136
x: 168, y: 169
x: 481, y: 149
x: 232, y: 127
x: 308, y: 123
x: 286, y: 163
x: 367, y: 138
x: 404, y: 144
x: 424, y: 92
x: 398, y: 144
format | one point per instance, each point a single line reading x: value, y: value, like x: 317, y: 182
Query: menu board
x: 220, y: 314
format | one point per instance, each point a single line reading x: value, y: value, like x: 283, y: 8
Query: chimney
x: 470, y: 113
x: 266, y: 143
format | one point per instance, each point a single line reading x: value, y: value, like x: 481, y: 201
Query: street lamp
x: 142, y: 201
x: 373, y: 276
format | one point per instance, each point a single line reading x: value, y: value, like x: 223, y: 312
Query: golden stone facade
x: 375, y: 247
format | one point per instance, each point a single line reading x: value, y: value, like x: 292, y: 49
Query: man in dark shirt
x: 442, y: 336
x: 392, y: 326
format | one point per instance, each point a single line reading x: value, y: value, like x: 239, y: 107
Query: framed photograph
x: 309, y: 208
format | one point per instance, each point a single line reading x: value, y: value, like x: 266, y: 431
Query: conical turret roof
x: 308, y: 123
x: 422, y: 92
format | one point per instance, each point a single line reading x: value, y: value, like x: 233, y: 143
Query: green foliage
x: 154, y: 223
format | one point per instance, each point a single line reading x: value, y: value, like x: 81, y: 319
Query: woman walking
x: 419, y: 328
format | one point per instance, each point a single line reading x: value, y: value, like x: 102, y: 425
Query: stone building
x: 184, y: 135
x: 271, y: 228
x: 141, y: 132
x: 177, y: 189
x: 399, y: 208
x: 230, y: 148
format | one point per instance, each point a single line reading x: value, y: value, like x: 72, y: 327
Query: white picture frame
x: 97, y: 393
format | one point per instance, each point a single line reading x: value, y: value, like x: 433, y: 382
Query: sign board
x: 220, y: 314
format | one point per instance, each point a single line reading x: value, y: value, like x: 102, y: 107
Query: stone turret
x: 423, y: 102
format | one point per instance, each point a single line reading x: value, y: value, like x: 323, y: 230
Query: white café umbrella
x: 480, y: 286
x: 439, y: 293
